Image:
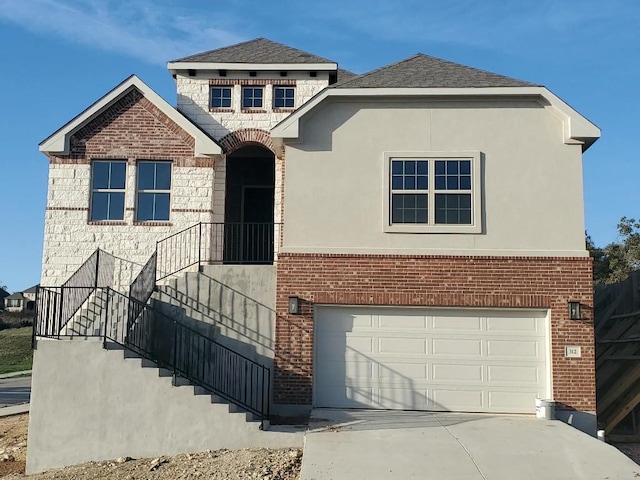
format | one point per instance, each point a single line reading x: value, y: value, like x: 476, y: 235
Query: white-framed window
x: 252, y: 97
x: 108, y: 178
x: 14, y: 302
x: 432, y: 192
x: 221, y: 97
x: 284, y: 97
x: 153, y: 192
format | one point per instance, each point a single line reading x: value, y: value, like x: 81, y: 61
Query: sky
x: 59, y: 56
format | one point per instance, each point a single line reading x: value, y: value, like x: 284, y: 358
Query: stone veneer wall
x: 132, y: 129
x: 193, y: 99
x: 438, y: 281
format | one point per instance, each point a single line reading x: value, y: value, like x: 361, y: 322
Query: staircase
x: 177, y: 361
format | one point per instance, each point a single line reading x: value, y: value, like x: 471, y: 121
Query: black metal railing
x: 131, y: 322
x: 165, y: 341
x: 217, y: 243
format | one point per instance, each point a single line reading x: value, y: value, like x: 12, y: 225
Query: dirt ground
x: 259, y: 463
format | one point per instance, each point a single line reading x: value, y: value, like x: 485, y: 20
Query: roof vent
x: 253, y: 74
x: 283, y: 74
x: 222, y: 73
x: 313, y: 74
x: 191, y: 72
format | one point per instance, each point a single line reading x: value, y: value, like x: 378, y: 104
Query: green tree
x: 617, y: 260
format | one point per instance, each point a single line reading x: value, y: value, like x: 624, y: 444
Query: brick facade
x: 131, y: 129
x: 438, y: 281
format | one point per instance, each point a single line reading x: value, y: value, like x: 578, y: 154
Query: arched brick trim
x: 246, y: 136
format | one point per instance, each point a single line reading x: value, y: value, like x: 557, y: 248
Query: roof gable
x: 58, y: 143
x: 424, y: 71
x: 259, y: 51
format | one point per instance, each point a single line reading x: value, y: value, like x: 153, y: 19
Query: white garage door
x: 417, y: 359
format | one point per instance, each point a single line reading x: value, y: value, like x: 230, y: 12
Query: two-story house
x: 409, y: 238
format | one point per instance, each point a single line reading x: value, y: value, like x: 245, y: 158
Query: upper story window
x: 252, y: 97
x: 221, y: 97
x: 433, y: 192
x: 107, y: 190
x: 284, y: 97
x: 153, y: 191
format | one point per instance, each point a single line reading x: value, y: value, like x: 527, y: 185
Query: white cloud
x: 141, y: 29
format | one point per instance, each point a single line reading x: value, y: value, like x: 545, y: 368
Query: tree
x: 617, y: 260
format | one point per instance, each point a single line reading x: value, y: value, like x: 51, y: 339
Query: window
x: 13, y: 302
x: 153, y: 192
x: 284, y: 97
x: 107, y: 190
x: 221, y: 97
x: 252, y: 97
x: 433, y: 192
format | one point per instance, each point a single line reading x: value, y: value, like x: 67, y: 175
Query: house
x: 24, y: 301
x: 3, y: 295
x: 409, y: 238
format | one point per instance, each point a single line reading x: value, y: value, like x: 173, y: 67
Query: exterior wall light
x: 294, y: 305
x: 574, y: 311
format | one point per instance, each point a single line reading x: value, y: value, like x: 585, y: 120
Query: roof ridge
x: 376, y: 70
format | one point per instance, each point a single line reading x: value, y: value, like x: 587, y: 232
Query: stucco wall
x: 531, y: 181
x: 88, y: 403
x: 193, y: 99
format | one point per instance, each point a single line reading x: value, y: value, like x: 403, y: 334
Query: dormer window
x: 221, y: 97
x: 284, y: 97
x: 252, y: 97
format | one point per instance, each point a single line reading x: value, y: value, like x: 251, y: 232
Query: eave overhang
x: 58, y: 142
x: 576, y: 128
x: 176, y: 67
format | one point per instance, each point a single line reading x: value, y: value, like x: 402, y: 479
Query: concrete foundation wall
x: 234, y: 303
x: 88, y: 403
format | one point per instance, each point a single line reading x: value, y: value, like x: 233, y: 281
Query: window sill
x: 253, y: 110
x: 152, y: 224
x: 413, y: 228
x: 222, y: 110
x: 106, y: 222
x: 284, y: 110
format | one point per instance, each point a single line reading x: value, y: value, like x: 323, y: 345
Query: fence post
x: 106, y: 319
x: 59, y: 326
x: 175, y: 353
x: 199, y: 244
x: 95, y: 283
x: 35, y: 319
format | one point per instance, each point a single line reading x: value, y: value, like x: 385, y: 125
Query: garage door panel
x: 466, y: 324
x: 457, y: 373
x: 402, y: 345
x: 391, y: 371
x: 514, y: 374
x: 403, y: 322
x: 430, y: 359
x: 513, y: 349
x: 464, y: 400
x: 460, y: 346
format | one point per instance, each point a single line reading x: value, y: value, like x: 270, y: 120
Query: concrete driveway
x: 350, y: 444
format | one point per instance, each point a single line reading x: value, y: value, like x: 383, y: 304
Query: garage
x: 465, y: 360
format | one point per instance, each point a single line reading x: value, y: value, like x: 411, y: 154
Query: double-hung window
x: 284, y: 97
x: 153, y: 192
x: 221, y: 97
x: 108, y: 179
x: 433, y: 192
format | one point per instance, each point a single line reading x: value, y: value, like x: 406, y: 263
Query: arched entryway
x: 249, y: 206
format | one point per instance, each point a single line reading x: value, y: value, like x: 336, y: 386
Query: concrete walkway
x: 349, y: 444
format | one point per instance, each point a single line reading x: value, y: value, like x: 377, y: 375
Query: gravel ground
x: 631, y: 450
x: 256, y: 463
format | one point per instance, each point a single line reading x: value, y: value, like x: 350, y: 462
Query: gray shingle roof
x: 260, y: 50
x: 423, y: 71
x: 15, y: 296
x: 33, y: 289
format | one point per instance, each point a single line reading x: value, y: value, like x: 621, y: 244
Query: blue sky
x: 59, y: 56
